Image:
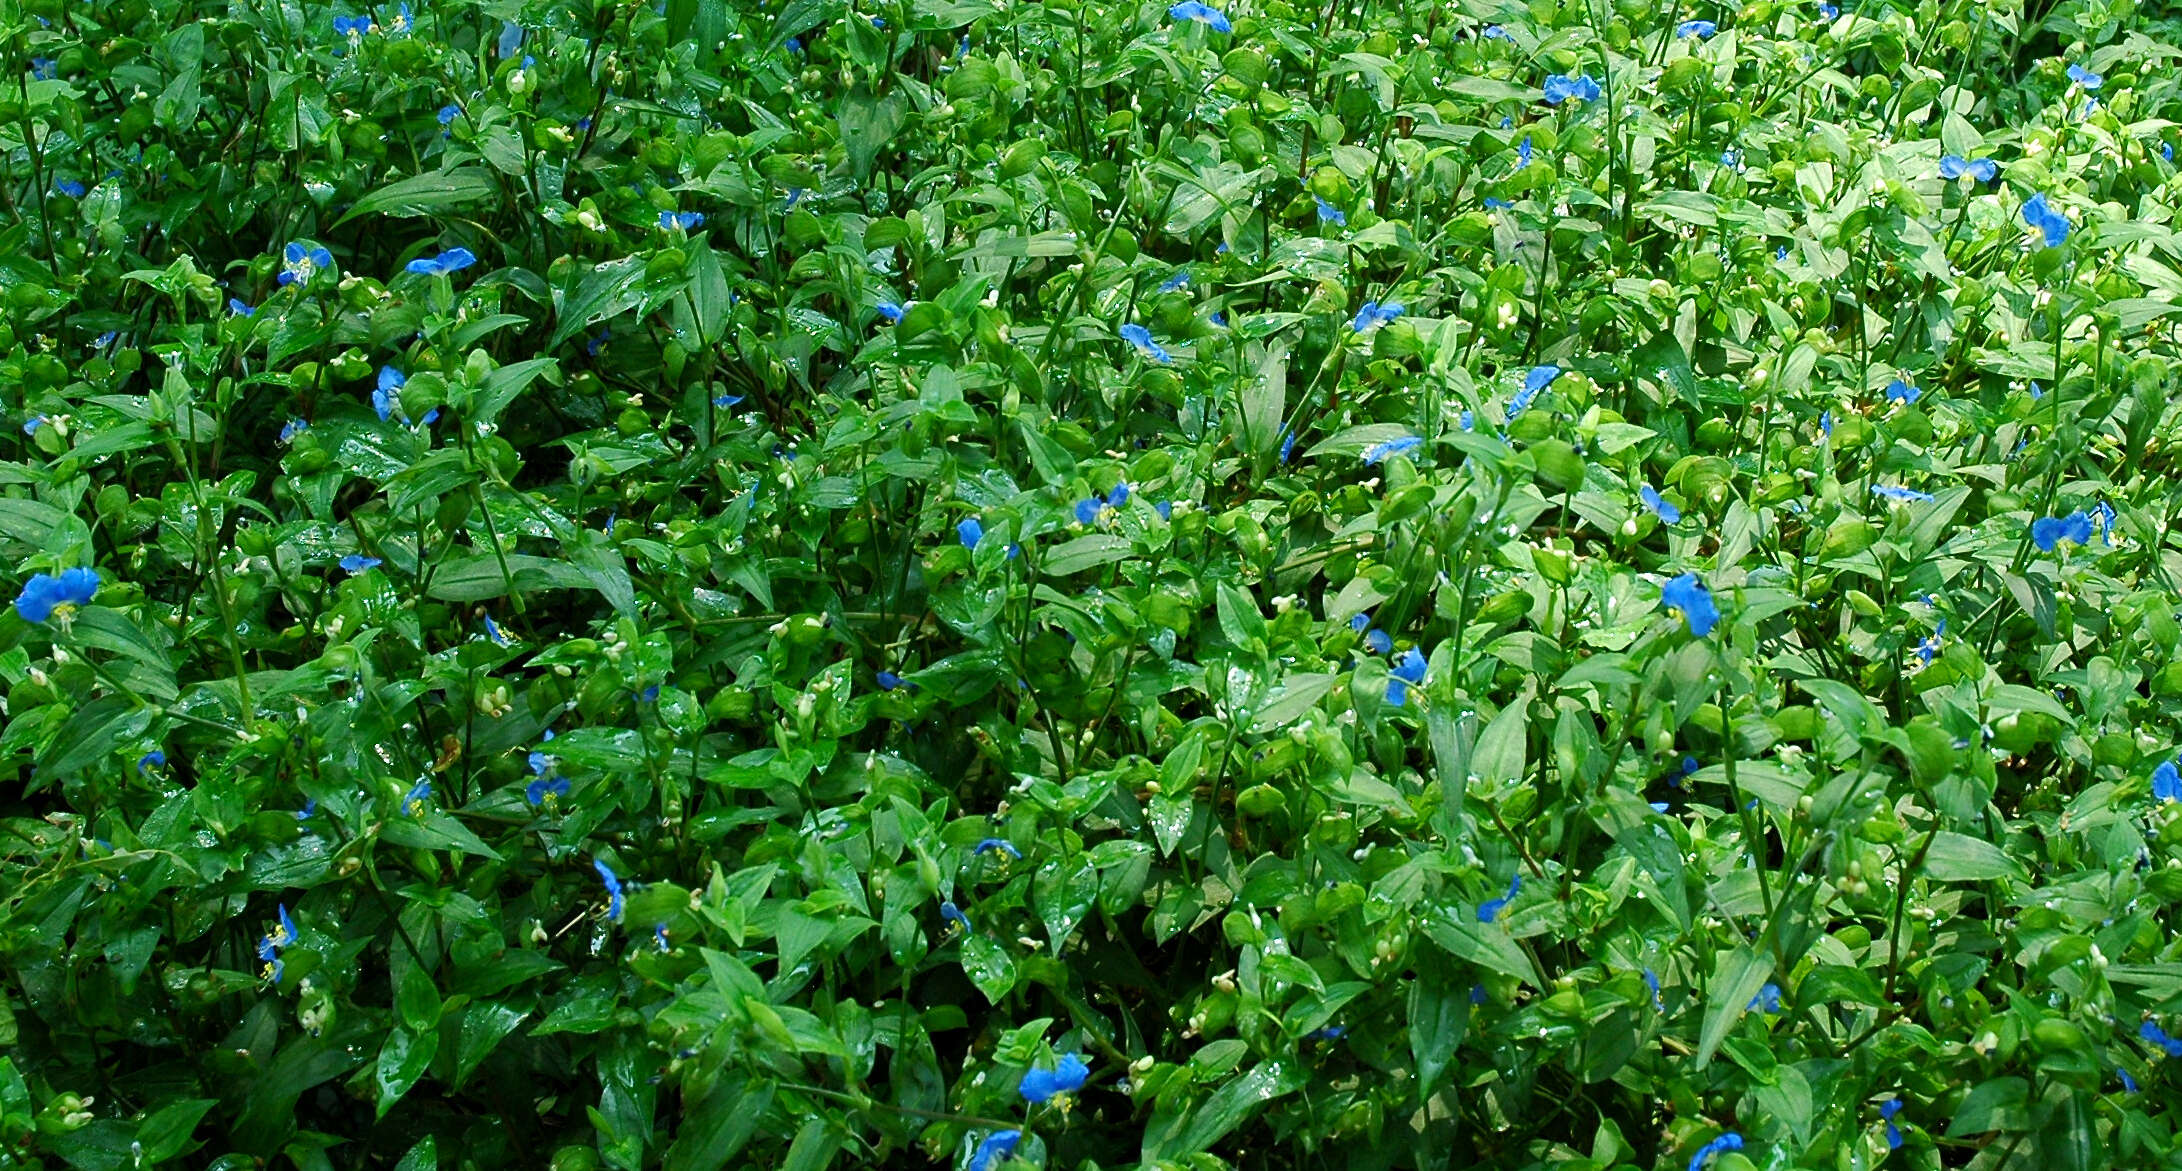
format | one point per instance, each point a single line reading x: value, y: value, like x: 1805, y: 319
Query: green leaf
x: 1735, y: 980
x: 719, y: 1125
x: 402, y: 1061
x: 1228, y: 1107
x: 484, y: 1025
x: 431, y: 194
x: 1085, y: 552
x: 416, y: 999
x: 1961, y: 858
x: 989, y: 966
x: 167, y: 1132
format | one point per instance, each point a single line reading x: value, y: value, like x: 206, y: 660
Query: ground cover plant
x: 995, y: 585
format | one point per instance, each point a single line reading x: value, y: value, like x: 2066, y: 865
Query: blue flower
x: 1905, y: 495
x: 2157, y: 1036
x: 2038, y: 214
x: 1929, y: 649
x: 1494, y: 203
x: 1490, y: 909
x: 1981, y: 170
x: 1900, y: 391
x: 724, y: 401
x: 891, y: 311
x: 1494, y: 32
x: 1329, y: 214
x: 1204, y: 14
x: 1659, y: 505
x: 987, y: 844
x: 1375, y: 314
x: 351, y: 26
x: 41, y: 68
x: 1695, y: 28
x: 1731, y: 158
x: 1179, y: 279
x: 950, y: 913
x: 493, y: 632
x: 385, y: 399
x: 2106, y: 516
x: 70, y: 188
x: 47, y: 594
x: 402, y: 21
x: 452, y: 260
x: 1287, y: 444
x: 1403, y: 445
x: 1825, y: 423
x: 237, y: 307
x: 1539, y: 378
x: 971, y: 533
x: 1726, y: 1142
x: 2084, y: 77
x: 1523, y: 152
x: 614, y: 900
x: 150, y: 760
x: 546, y: 785
x: 1827, y: 9
x: 2128, y: 1084
x: 1360, y: 622
x: 310, y: 806
x: 1408, y: 669
x: 31, y: 424
x: 1767, y: 1000
x: 681, y: 221
x: 300, y: 261
x: 888, y: 680
x: 1651, y: 981
x: 793, y: 44
x: 511, y: 40
x: 357, y: 563
x: 2166, y: 782
x: 1688, y: 595
x: 283, y: 934
x: 1329, y: 1033
x: 1560, y: 87
x: 419, y: 793
x: 1378, y: 641
x: 1067, y: 1076
x: 1887, y: 1110
x: 997, y: 1148
x: 1141, y: 338
x: 1088, y: 510
x: 2049, y: 532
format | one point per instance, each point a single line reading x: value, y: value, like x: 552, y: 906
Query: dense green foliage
x: 1414, y: 585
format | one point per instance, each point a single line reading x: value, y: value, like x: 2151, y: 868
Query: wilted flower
x: 1696, y: 28
x: 452, y: 260
x: 1375, y: 314
x: 1651, y: 981
x: 1905, y: 495
x: 1687, y: 594
x: 1329, y: 214
x: 1067, y: 1076
x: 1490, y: 909
x: 2040, y: 215
x: 1141, y: 338
x: 888, y: 680
x: 1204, y: 14
x: 1401, y: 445
x: 1408, y: 669
x: 2049, y: 532
x: 996, y: 1148
x: 357, y: 563
x: 614, y: 902
x: 298, y: 261
x: 1560, y: 87
x: 45, y: 595
x: 1493, y: 203
x: 1659, y: 505
x: 1981, y: 170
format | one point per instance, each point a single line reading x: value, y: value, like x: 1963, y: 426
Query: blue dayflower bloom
x: 1287, y: 444
x: 1651, y: 981
x: 2084, y: 77
x: 497, y: 635
x: 1731, y: 158
x: 1981, y: 170
x: 310, y: 807
x: 1141, y: 338
x: 950, y: 913
x: 1088, y: 510
x: 1929, y: 649
x: 419, y: 793
x: 542, y: 788
x: 1360, y: 622
x: 357, y: 563
x: 1827, y: 9
x: 614, y: 901
x: 724, y: 401
x: 996, y: 1148
x: 1539, y: 378
x: 452, y: 260
x: 1329, y: 214
x: 31, y: 424
x: 510, y: 42
x: 70, y: 188
x: 1494, y: 32
x: 1067, y: 1076
x: 1767, y: 1000
x: 1375, y: 314
x: 1523, y: 152
x: 888, y: 680
x: 1494, y: 203
x: 793, y: 44
x: 292, y: 428
x: 47, y: 594
x: 1490, y: 909
x: 1204, y: 14
x: 985, y: 845
x: 1408, y: 669
x: 1887, y: 1110
x: 1726, y: 1142
x: 1905, y: 495
x: 299, y: 262
x: 149, y: 761
x: 1900, y: 391
x: 1560, y: 88
x: 270, y: 945
x: 2166, y: 782
x: 237, y: 307
x: 971, y: 533
x: 1659, y: 505
x: 2048, y: 532
x: 1381, y: 452
x: 1825, y: 423
x: 1378, y: 641
x: 892, y: 311
x: 1688, y: 595
x: 1695, y: 28
x: 41, y: 69
x: 681, y: 221
x: 2105, y: 515
x: 2151, y: 1032
x: 402, y: 22
x: 2128, y: 1084
x: 352, y: 27
x: 385, y: 398
x: 2039, y: 214
x: 1179, y: 279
